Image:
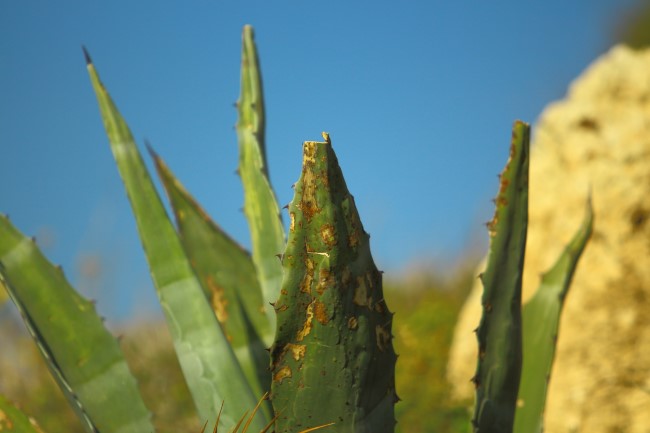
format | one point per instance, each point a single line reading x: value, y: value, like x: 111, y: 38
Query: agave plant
x: 515, y: 347
x: 297, y: 331
x: 217, y: 297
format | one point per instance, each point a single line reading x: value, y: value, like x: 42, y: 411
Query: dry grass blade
x: 236, y: 429
x: 216, y: 424
x: 271, y: 424
x: 250, y: 418
x: 317, y: 428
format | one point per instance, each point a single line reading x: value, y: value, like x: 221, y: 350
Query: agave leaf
x: 227, y: 275
x: 206, y: 358
x: 260, y: 205
x: 499, y: 333
x: 333, y: 358
x: 84, y: 358
x: 13, y: 419
x: 541, y: 320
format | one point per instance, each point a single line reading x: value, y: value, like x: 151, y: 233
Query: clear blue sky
x: 418, y: 98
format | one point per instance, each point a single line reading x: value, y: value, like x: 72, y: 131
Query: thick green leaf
x: 206, y: 358
x: 13, y: 420
x: 227, y: 274
x: 260, y: 205
x: 84, y: 358
x: 541, y: 320
x: 333, y: 358
x: 499, y: 333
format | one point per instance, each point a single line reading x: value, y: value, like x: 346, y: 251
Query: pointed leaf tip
x: 89, y: 61
x: 150, y: 149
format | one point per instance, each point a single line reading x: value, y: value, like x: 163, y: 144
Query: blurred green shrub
x: 633, y: 29
x: 426, y: 311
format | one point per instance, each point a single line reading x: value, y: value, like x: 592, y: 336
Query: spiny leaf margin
x: 206, y: 358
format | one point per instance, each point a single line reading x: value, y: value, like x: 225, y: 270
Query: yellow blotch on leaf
x: 306, y: 327
x: 297, y: 351
x: 282, y: 374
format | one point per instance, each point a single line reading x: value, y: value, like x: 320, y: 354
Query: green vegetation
x: 633, y: 29
x: 426, y: 311
x: 426, y: 308
x: 315, y: 300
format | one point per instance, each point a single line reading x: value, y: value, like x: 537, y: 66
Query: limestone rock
x: 597, y: 139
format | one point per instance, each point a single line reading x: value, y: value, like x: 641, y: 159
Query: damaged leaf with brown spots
x: 333, y: 359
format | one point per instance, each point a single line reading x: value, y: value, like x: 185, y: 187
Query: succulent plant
x: 302, y: 320
x: 516, y: 346
x: 333, y: 342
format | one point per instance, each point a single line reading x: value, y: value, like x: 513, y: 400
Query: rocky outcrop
x: 598, y: 140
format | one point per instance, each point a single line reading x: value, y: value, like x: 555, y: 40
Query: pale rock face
x: 597, y: 139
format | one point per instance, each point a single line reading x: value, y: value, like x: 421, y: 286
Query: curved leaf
x: 541, y: 320
x: 206, y: 358
x: 260, y: 205
x: 499, y: 333
x: 227, y: 275
x: 84, y: 358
